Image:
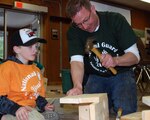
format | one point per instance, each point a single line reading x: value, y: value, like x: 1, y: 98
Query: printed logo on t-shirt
x: 94, y: 60
x: 27, y: 86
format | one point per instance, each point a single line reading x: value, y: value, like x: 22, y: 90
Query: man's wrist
x: 116, y: 61
x: 79, y: 86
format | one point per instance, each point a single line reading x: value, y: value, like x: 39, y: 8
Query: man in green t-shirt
x: 115, y: 39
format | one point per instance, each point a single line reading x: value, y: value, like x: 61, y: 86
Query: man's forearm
x: 77, y: 73
x: 127, y: 59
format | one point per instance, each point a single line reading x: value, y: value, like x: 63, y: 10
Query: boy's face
x: 27, y: 53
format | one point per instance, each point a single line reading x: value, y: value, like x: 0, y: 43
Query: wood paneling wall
x: 55, y: 53
x: 140, y: 19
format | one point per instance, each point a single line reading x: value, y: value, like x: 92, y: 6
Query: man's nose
x: 84, y: 26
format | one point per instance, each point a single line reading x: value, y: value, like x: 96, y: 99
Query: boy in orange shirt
x: 22, y: 84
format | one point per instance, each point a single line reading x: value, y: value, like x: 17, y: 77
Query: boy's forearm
x: 8, y: 106
x: 41, y: 103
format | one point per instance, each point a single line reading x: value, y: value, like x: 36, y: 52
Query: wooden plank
x: 99, y: 111
x: 146, y: 115
x: 146, y: 100
x: 91, y: 106
x: 84, y: 112
x: 84, y: 98
x: 132, y: 116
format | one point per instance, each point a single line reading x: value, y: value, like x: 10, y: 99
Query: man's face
x: 86, y: 19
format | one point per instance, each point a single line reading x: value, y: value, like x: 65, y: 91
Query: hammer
x: 90, y: 47
x: 119, y: 113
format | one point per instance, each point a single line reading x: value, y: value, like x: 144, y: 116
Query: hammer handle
x: 99, y: 55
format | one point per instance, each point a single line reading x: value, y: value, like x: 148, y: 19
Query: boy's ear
x: 16, y: 49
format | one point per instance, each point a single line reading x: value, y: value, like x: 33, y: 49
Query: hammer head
x: 89, y: 45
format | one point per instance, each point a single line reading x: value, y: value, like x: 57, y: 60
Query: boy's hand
x: 49, y: 106
x: 22, y: 113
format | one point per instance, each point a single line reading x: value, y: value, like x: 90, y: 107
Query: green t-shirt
x: 113, y: 36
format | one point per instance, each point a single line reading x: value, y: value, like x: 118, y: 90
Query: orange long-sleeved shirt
x: 21, y: 83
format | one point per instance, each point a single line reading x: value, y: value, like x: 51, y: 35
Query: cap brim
x: 35, y: 40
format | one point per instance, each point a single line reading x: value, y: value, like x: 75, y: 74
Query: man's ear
x: 93, y: 9
x: 16, y: 49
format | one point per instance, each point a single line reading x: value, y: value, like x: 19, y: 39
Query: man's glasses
x: 85, y: 22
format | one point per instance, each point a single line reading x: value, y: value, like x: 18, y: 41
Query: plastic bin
x: 67, y: 83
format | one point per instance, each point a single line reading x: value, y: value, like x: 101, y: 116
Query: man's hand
x: 23, y: 113
x: 75, y: 91
x: 108, y: 61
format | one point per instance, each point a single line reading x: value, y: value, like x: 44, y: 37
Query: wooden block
x: 84, y: 112
x: 146, y: 100
x: 84, y: 98
x: 91, y: 106
x: 99, y: 110
x: 132, y: 116
x: 146, y: 115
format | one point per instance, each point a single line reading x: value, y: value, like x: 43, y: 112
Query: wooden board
x: 146, y: 115
x: 146, y: 100
x: 84, y: 98
x: 132, y: 116
x: 91, y: 106
x: 84, y: 112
